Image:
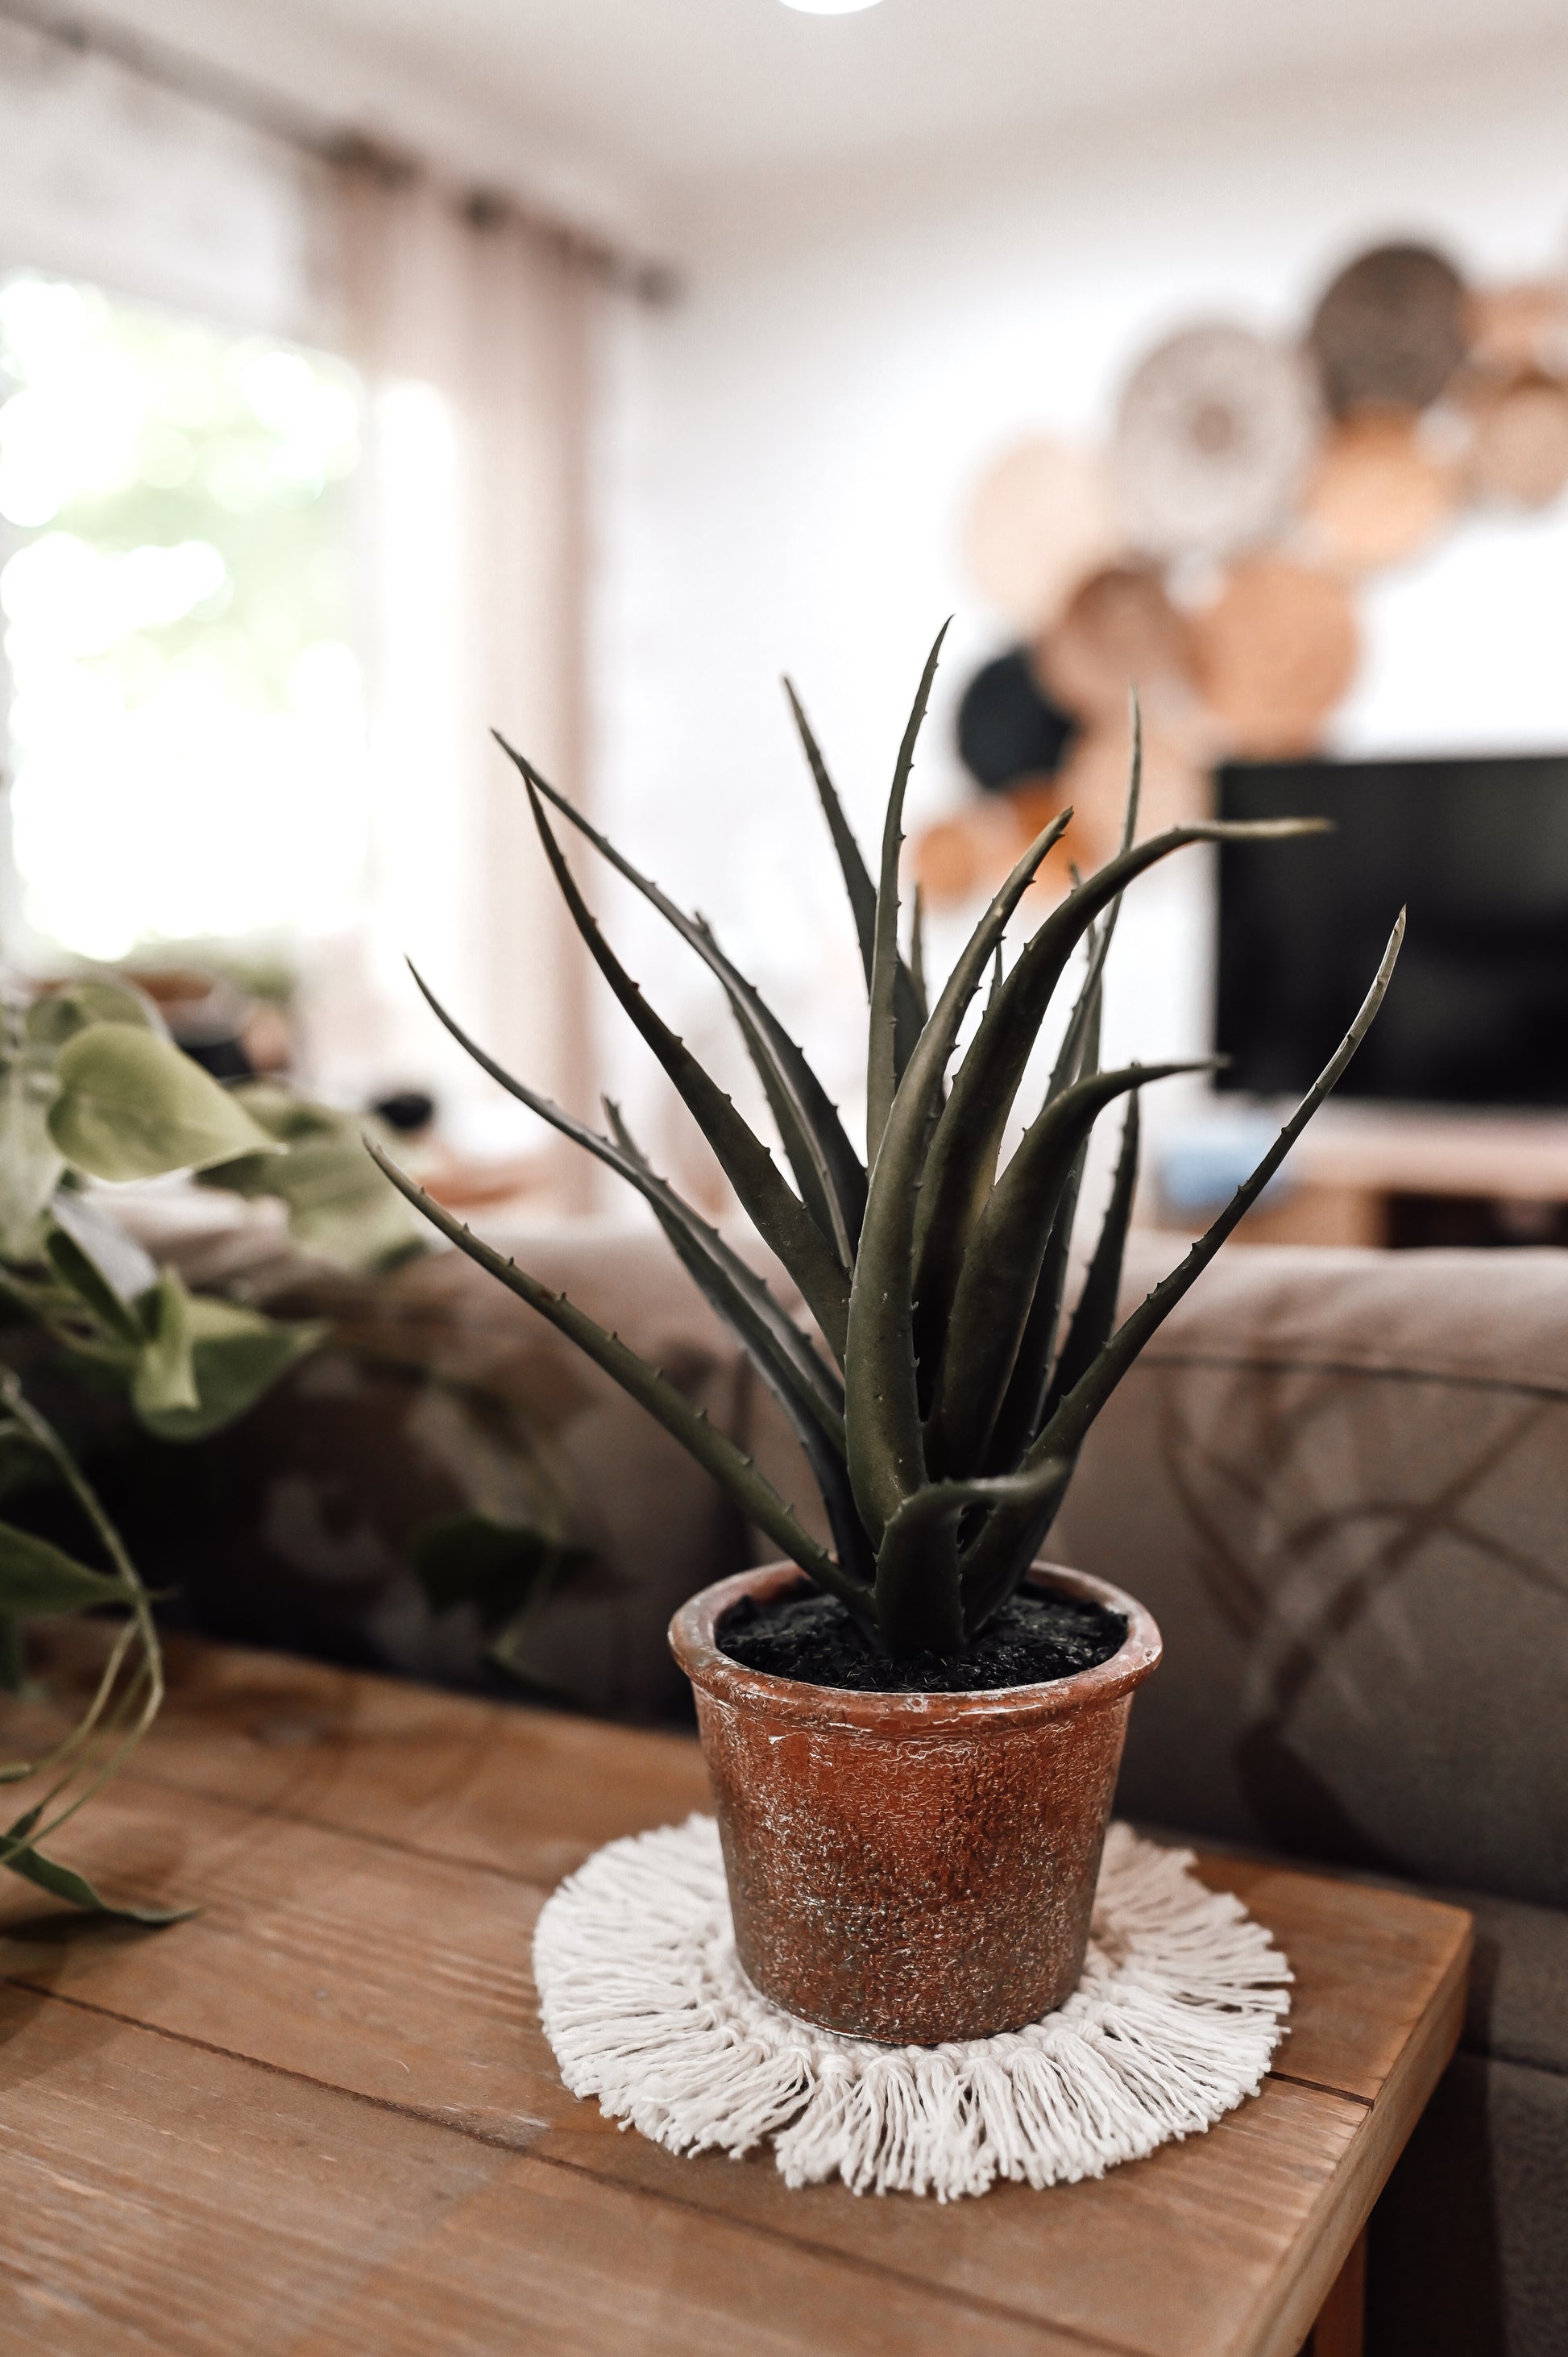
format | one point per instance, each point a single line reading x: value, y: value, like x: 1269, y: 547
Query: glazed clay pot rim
x: 695, y: 1647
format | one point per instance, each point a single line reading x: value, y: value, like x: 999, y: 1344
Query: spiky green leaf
x: 730, y: 1467
x: 1001, y: 1266
x: 883, y: 1064
x: 882, y: 1410
x: 1095, y: 1313
x: 962, y: 1164
x: 908, y: 1010
x: 828, y: 1171
x: 929, y: 1612
x: 780, y: 1215
x: 784, y: 1355
x: 1007, y: 1544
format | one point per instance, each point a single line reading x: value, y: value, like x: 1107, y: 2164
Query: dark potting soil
x: 815, y: 1638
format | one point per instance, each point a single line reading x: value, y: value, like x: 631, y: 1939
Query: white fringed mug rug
x: 1179, y: 2009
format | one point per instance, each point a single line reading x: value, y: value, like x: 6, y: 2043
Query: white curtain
x: 474, y: 328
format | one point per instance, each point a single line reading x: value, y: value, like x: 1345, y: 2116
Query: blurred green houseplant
x: 92, y: 1089
x: 944, y: 1397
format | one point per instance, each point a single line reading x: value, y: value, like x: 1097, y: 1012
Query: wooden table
x: 320, y: 2118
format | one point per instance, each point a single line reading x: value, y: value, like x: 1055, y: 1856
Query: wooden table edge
x: 1345, y: 2206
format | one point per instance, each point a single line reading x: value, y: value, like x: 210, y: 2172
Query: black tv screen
x: 1478, y: 849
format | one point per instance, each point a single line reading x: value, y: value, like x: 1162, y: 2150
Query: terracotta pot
x: 911, y: 1867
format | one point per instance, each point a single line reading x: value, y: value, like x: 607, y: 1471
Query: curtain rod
x: 258, y: 109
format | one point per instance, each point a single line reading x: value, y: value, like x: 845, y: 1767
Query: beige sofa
x: 1340, y: 1479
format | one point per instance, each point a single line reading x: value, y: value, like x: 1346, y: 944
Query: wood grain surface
x: 319, y: 2118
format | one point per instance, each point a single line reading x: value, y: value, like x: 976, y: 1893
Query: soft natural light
x: 830, y: 7
x: 187, y: 739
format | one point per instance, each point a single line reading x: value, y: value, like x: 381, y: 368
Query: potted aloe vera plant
x: 914, y: 1730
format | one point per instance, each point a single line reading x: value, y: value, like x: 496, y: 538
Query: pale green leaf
x: 64, y: 1882
x: 338, y: 1204
x: 83, y: 1275
x: 122, y: 1264
x: 38, y: 1578
x: 58, y: 1015
x: 30, y: 1162
x: 236, y: 1355
x: 132, y: 1106
x: 162, y: 1374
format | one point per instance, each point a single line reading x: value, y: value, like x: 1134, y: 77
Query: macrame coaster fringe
x: 1173, y: 2024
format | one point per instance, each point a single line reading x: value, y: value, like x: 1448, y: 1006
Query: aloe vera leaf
x: 909, y: 1011
x: 962, y: 1163
x: 917, y: 950
x: 1020, y: 1416
x: 822, y: 1443
x: 1102, y: 934
x: 1135, y: 766
x: 1095, y: 1313
x: 1001, y: 1266
x: 882, y: 1411
x: 1070, y: 1062
x: 827, y: 1169
x: 1002, y: 1552
x: 939, y: 1251
x: 1086, y: 1009
x: 808, y: 1388
x: 919, y: 1603
x: 920, y: 1600
x: 730, y: 1467
x: 747, y: 1305
x: 778, y: 1214
x: 856, y: 875
x: 883, y: 1064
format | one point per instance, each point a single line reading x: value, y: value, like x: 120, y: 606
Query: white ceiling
x: 619, y: 109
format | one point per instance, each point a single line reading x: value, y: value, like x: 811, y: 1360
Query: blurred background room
x: 371, y: 378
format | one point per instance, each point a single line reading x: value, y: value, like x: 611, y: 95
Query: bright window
x: 186, y: 735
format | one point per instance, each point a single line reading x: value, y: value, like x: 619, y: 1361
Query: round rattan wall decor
x: 1041, y: 518
x: 1390, y: 328
x: 1252, y: 482
x: 1376, y: 494
x: 1093, y: 779
x: 1121, y: 626
x: 1513, y: 329
x: 1275, y: 651
x: 1518, y: 449
x: 1215, y: 432
x: 1008, y: 728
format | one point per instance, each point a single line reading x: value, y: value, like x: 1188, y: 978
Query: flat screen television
x: 1477, y: 1010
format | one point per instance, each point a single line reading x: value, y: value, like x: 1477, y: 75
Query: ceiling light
x: 830, y: 7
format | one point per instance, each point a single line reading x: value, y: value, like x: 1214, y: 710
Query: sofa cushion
x: 439, y: 1390
x: 1518, y: 2005
x: 1468, y: 2251
x: 1340, y: 1479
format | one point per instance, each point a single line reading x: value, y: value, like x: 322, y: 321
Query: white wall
x: 799, y: 436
